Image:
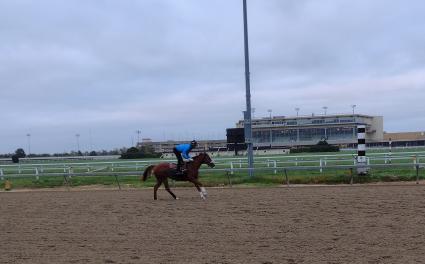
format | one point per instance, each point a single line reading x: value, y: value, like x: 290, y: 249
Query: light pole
x: 353, y: 106
x: 297, y: 109
x: 91, y: 141
x: 29, y: 143
x: 77, y: 136
x: 325, y: 108
x: 248, y: 121
x: 138, y: 136
x: 270, y: 113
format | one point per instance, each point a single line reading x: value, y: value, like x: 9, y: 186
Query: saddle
x: 175, y: 175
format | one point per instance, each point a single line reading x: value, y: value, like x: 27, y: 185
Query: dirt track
x: 359, y: 224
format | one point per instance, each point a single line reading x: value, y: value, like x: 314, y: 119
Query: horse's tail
x: 147, y: 172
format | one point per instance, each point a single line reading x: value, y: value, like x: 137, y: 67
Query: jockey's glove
x: 187, y: 160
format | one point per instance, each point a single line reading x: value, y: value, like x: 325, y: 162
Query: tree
x: 15, y: 159
x: 135, y: 153
x: 20, y: 153
x: 321, y: 146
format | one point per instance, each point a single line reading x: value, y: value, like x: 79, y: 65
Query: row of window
x: 304, y: 134
x: 304, y: 122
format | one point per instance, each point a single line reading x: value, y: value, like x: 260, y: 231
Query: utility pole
x: 247, y: 117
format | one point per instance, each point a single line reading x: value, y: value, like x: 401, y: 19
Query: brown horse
x: 163, y: 171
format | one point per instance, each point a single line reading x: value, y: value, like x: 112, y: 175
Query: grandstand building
x: 286, y: 132
x: 281, y: 131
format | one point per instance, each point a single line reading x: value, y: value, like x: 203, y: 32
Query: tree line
x: 125, y: 153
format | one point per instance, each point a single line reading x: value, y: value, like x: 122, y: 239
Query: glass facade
x: 312, y: 134
x: 335, y: 133
x: 262, y: 136
x: 285, y: 135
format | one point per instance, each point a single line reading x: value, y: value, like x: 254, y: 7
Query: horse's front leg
x: 202, y: 192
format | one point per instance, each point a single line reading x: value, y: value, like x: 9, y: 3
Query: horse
x: 164, y: 170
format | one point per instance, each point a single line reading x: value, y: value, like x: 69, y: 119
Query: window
x: 335, y: 133
x: 349, y: 120
x: 317, y: 121
x: 332, y: 120
x: 284, y: 135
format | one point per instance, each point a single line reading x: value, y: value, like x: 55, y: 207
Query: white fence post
x: 1, y: 174
x: 36, y: 174
x: 275, y: 167
x: 321, y: 164
x: 231, y: 167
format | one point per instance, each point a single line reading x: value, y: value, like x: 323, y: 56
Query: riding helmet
x: 193, y: 143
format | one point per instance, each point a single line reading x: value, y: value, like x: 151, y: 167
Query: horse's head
x: 205, y: 159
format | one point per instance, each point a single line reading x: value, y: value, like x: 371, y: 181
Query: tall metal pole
x: 138, y: 136
x: 78, y: 142
x: 353, y: 106
x: 247, y: 121
x: 270, y: 131
x: 29, y: 144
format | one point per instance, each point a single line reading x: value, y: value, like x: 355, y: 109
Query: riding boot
x: 179, y: 170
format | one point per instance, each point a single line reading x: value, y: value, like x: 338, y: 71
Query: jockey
x: 182, y: 153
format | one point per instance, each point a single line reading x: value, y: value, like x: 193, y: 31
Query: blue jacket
x: 184, y: 150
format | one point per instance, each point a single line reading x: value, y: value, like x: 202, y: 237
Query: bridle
x: 204, y: 157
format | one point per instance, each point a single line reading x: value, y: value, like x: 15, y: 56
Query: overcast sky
x: 175, y: 68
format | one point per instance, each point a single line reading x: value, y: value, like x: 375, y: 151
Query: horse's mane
x: 200, y: 154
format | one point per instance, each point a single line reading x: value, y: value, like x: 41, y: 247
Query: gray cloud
x: 174, y: 69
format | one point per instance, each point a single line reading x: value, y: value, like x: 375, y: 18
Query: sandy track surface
x: 335, y: 224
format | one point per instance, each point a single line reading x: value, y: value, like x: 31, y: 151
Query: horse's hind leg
x: 155, y: 188
x: 167, y: 187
